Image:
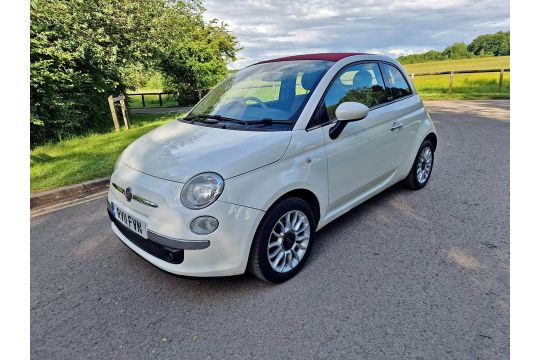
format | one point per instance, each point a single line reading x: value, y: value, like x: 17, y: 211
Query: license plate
x: 131, y: 222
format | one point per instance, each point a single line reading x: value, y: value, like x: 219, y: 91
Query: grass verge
x: 87, y: 157
x: 466, y: 86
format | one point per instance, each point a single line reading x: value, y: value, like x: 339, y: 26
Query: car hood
x: 177, y: 151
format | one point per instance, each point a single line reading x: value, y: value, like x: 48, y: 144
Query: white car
x: 268, y: 157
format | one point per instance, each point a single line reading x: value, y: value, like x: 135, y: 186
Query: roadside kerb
x: 50, y: 197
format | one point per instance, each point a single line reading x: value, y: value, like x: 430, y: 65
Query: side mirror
x: 351, y: 111
x: 345, y: 112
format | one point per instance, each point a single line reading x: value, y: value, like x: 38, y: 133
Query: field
x: 466, y: 86
x: 87, y: 157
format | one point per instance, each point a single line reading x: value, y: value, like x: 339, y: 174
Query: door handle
x: 396, y: 125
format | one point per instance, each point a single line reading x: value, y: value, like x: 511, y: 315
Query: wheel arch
x: 306, y: 195
x: 433, y: 138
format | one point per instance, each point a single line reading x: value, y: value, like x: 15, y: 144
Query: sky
x: 269, y: 29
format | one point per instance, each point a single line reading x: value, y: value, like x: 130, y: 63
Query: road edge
x: 41, y: 199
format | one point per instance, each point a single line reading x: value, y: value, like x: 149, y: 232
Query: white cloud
x: 494, y: 24
x: 400, y: 52
x: 269, y: 28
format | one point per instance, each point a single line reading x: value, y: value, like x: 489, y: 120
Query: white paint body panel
x: 260, y: 167
x: 177, y: 151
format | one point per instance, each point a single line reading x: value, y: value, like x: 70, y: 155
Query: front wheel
x: 422, y: 166
x: 283, y: 241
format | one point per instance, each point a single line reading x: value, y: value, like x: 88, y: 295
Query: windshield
x: 274, y: 91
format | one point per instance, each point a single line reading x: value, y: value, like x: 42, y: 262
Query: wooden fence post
x: 200, y: 93
x: 142, y: 97
x: 501, y: 80
x: 124, y: 111
x: 412, y: 76
x: 451, y: 82
x: 160, y: 100
x: 113, y: 113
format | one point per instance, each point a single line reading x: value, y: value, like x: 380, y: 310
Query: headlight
x: 202, y: 190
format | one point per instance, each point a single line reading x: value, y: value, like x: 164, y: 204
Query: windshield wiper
x: 268, y: 121
x: 215, y: 117
x: 220, y: 118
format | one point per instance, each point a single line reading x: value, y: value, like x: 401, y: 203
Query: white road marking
x: 66, y: 204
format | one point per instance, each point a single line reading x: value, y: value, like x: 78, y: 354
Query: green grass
x: 466, y: 86
x: 150, y: 101
x: 87, y: 157
x: 480, y: 63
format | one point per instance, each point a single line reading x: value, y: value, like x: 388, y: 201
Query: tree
x: 497, y: 44
x: 81, y: 51
x: 192, y: 55
x: 431, y: 55
x: 457, y: 51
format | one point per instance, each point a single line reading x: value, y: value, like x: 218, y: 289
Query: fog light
x: 204, y: 225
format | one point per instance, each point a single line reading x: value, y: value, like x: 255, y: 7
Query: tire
x: 262, y: 252
x: 414, y: 180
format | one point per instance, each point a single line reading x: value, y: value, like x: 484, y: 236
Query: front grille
x: 165, y: 253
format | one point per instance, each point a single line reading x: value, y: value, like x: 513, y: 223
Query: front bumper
x: 171, y: 245
x: 163, y: 241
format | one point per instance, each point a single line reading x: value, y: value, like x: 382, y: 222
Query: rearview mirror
x: 345, y: 112
x: 351, y: 111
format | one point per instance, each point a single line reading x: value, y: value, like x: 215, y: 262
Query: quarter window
x: 396, y: 83
x: 361, y: 83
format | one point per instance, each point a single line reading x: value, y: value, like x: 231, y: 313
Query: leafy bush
x: 497, y: 44
x: 431, y: 55
x: 457, y: 51
x: 82, y: 51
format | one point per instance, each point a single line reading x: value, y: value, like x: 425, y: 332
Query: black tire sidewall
x: 414, y: 179
x: 262, y: 237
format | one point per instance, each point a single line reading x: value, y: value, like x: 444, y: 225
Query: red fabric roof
x: 320, y: 56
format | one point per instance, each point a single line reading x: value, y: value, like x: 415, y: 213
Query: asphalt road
x: 407, y: 275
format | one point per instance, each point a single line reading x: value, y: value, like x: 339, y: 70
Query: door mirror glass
x: 351, y: 111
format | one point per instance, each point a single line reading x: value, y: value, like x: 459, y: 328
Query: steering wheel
x: 257, y: 100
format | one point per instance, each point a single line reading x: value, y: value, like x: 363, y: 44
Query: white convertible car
x: 271, y: 155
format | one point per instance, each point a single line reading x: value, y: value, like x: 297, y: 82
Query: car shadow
x: 326, y: 237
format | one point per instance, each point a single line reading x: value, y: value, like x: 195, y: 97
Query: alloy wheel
x: 288, y: 241
x: 423, y: 167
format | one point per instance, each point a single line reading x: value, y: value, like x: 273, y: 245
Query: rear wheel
x: 422, y: 166
x: 283, y: 241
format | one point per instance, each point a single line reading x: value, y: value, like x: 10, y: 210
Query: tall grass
x: 465, y: 86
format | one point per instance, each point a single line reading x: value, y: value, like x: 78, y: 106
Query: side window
x: 395, y: 81
x: 361, y: 83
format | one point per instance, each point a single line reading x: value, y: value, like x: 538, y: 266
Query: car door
x: 363, y: 157
x: 405, y: 109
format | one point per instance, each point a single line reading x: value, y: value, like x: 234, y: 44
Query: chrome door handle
x: 396, y: 125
